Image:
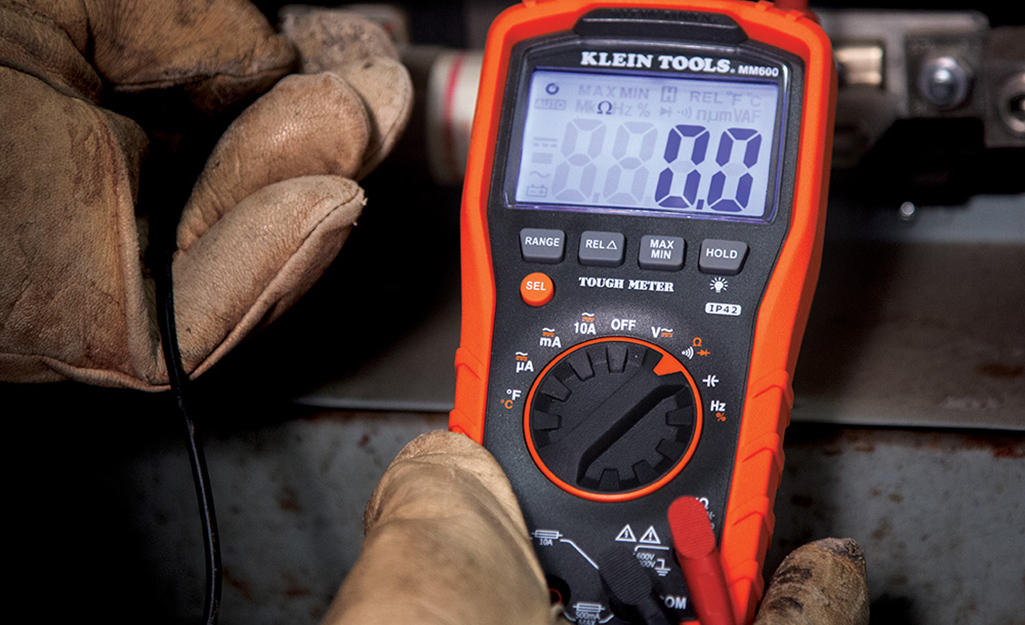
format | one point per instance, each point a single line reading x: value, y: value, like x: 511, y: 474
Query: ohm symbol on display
x: 605, y: 107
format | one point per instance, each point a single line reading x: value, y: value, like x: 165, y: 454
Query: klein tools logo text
x: 589, y: 58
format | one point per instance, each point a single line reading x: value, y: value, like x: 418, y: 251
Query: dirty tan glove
x: 270, y: 211
x: 446, y: 544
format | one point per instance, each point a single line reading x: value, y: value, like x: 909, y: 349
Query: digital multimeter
x: 642, y: 223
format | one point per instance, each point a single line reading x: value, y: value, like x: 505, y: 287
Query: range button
x: 725, y: 258
x: 541, y: 245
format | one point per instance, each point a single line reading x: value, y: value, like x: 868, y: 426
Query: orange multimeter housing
x: 642, y: 223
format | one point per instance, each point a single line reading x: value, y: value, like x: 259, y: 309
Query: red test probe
x: 695, y: 549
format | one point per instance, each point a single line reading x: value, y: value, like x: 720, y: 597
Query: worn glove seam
x: 18, y: 67
x: 42, y: 18
x: 32, y: 13
x: 194, y: 79
x: 215, y: 353
x: 395, y: 129
x: 63, y: 369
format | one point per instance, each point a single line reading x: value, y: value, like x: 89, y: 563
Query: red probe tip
x: 691, y: 529
x: 695, y: 549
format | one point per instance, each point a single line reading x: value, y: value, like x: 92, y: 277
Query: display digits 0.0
x: 624, y: 182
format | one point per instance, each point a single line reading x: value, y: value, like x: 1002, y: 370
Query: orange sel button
x: 537, y: 289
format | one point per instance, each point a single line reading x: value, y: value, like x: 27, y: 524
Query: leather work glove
x: 269, y: 212
x: 445, y: 543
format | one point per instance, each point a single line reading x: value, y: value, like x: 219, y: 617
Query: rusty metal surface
x: 916, y: 334
x: 940, y: 516
x: 291, y: 508
x: 103, y: 512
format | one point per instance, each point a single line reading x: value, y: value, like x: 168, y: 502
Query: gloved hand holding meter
x: 642, y: 223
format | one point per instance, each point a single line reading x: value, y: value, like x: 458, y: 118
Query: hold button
x: 725, y: 258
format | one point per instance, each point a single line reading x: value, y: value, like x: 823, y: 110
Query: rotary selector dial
x: 612, y: 419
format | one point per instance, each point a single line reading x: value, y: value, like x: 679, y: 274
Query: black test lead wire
x: 180, y: 387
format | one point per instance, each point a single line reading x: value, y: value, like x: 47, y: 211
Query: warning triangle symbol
x: 626, y: 535
x: 650, y: 537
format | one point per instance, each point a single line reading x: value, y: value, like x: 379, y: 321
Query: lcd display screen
x: 678, y: 145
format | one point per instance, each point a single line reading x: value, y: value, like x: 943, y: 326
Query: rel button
x: 603, y: 249
x: 537, y: 289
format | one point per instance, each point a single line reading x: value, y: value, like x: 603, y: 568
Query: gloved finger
x: 331, y: 39
x: 212, y: 51
x: 71, y: 285
x: 37, y: 44
x: 255, y: 262
x: 445, y: 544
x: 821, y: 583
x: 358, y: 50
x: 305, y: 126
